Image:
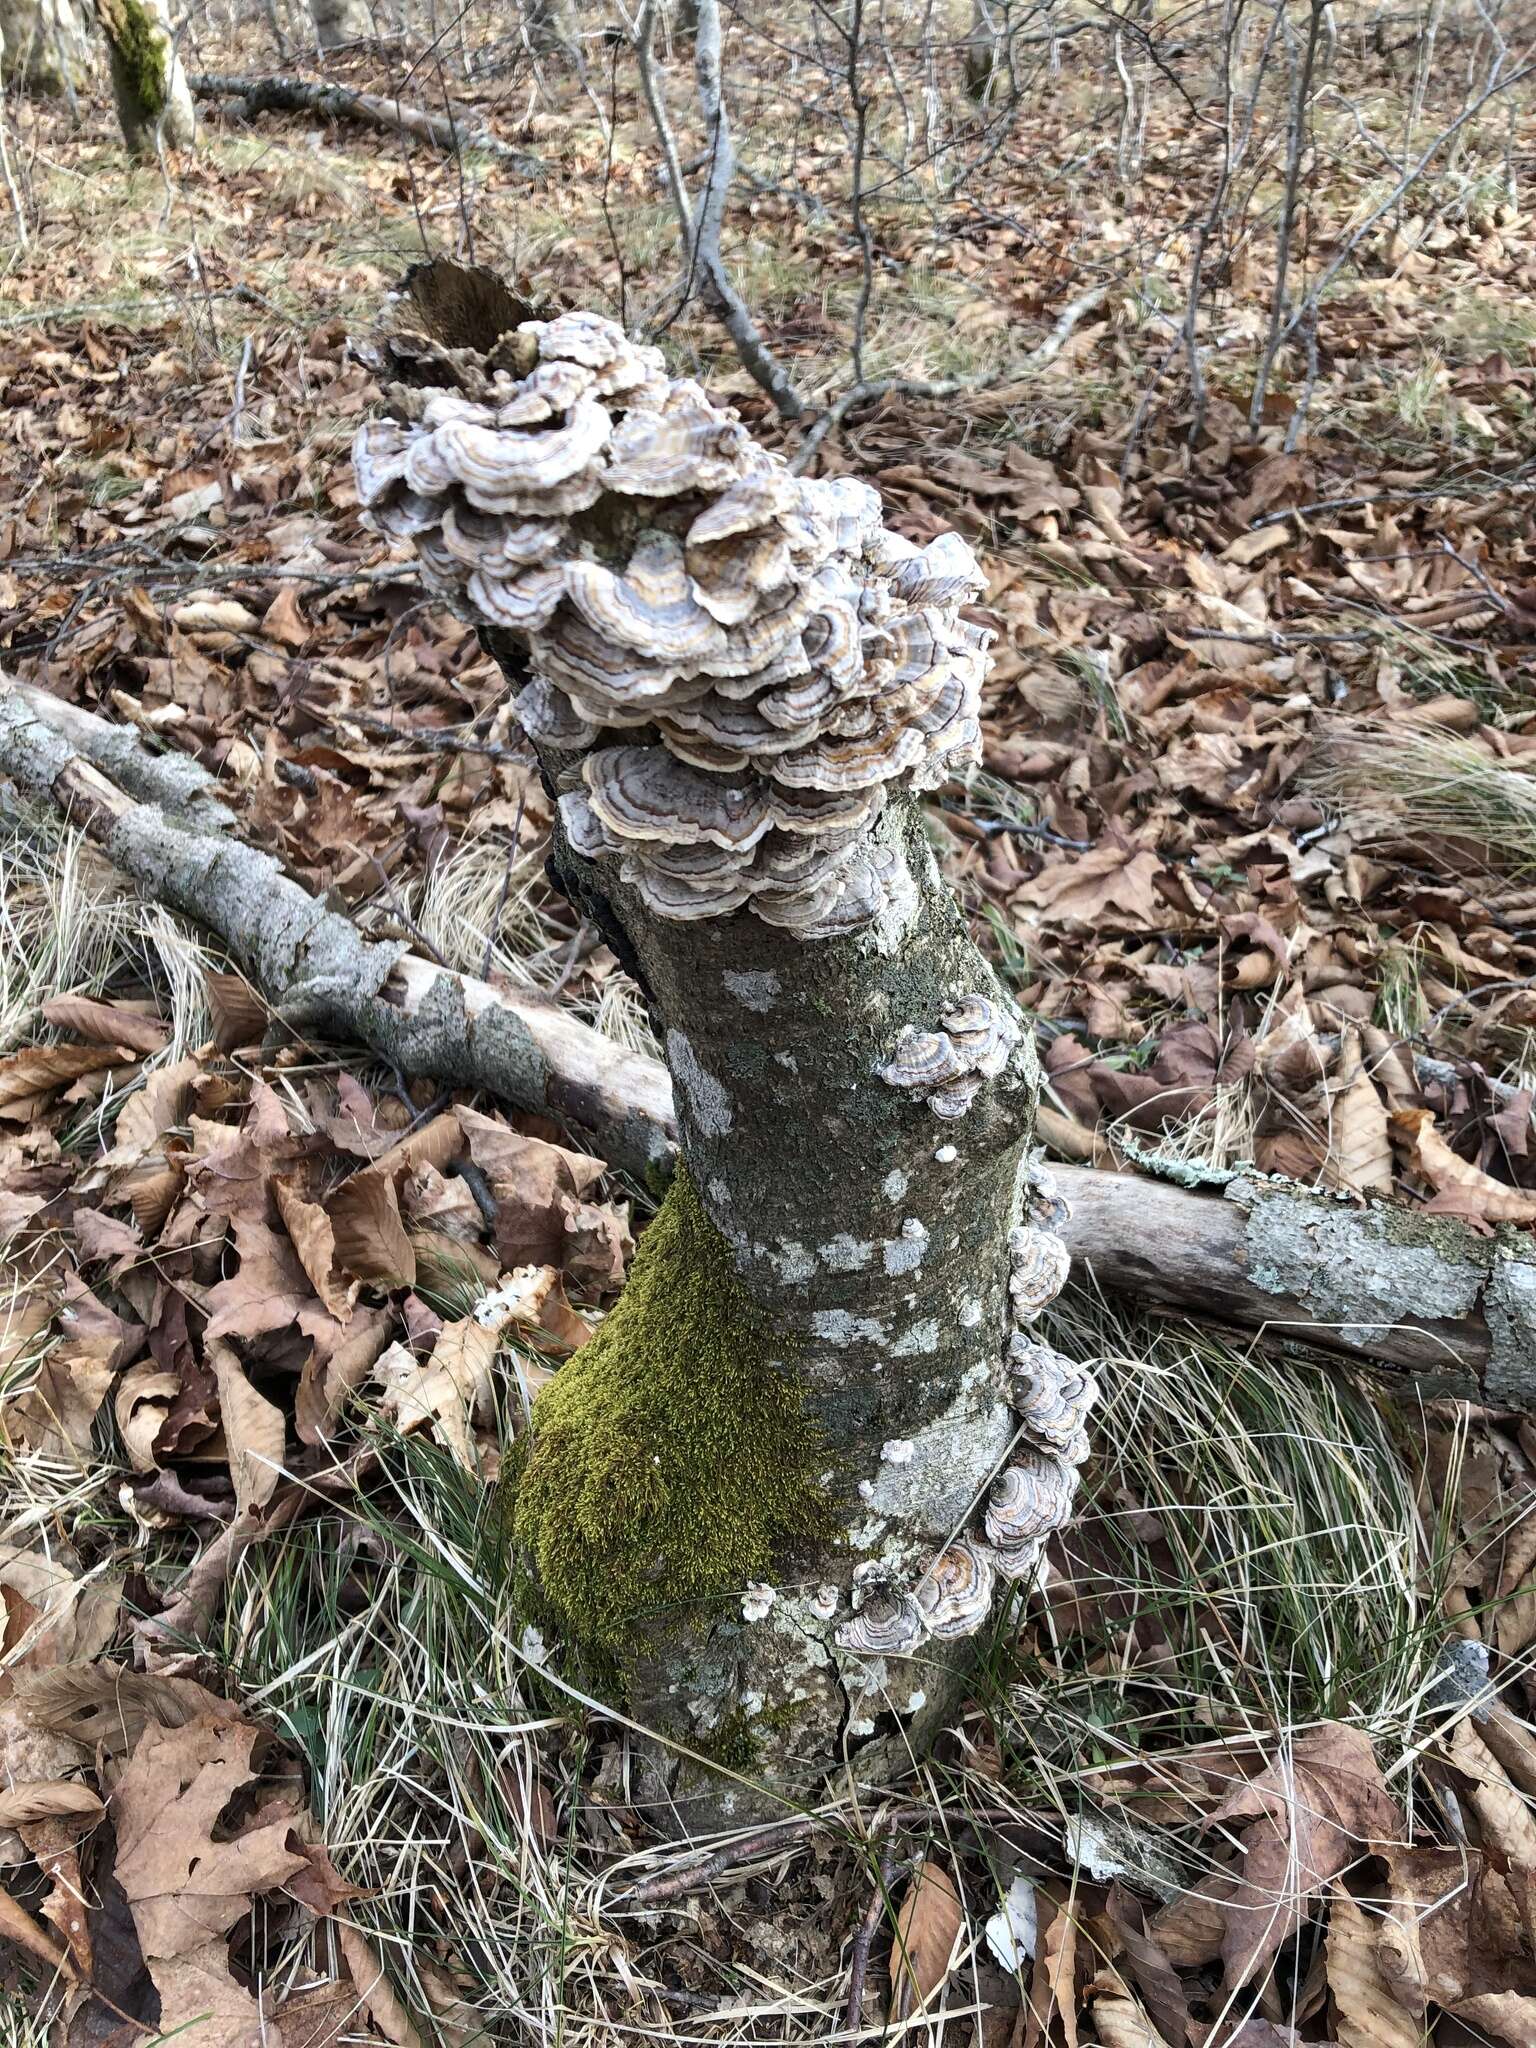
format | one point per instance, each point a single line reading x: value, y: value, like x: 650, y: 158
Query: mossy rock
x: 670, y: 1459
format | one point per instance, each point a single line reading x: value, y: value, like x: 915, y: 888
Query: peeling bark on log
x: 1421, y: 1295
x: 369, y: 109
x: 313, y: 964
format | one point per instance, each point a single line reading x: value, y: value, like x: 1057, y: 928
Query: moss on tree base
x: 671, y: 1458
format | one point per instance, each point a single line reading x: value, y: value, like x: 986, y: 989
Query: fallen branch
x: 1421, y: 1296
x: 372, y: 110
x: 869, y: 392
x: 312, y: 964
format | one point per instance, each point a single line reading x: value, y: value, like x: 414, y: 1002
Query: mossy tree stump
x: 149, y: 86
x: 760, y: 1491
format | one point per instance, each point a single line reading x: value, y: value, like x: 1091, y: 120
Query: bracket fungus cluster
x: 1033, y: 1495
x: 746, y: 663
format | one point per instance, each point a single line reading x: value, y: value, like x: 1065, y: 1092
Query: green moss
x: 138, y: 42
x: 671, y: 1456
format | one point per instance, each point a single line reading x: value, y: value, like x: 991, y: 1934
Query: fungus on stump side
x: 732, y: 670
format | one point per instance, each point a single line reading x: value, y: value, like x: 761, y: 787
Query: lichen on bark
x: 671, y: 1459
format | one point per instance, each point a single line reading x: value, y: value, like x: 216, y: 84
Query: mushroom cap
x: 1038, y: 1267
x: 1046, y: 1204
x: 644, y: 793
x: 548, y: 389
x: 688, y: 445
x: 1029, y: 1500
x: 523, y: 599
x: 669, y: 896
x: 922, y: 1060
x: 494, y: 463
x: 380, y: 450
x: 1019, y: 1560
x: 617, y: 363
x: 550, y: 719
x: 955, y: 1097
x: 584, y: 829
x: 403, y: 513
x: 495, y: 543
x: 578, y: 659
x: 1050, y: 1394
x: 954, y: 1595
x: 886, y: 1621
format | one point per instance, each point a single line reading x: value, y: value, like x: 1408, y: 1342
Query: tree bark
x: 154, y: 101
x: 884, y: 1269
x: 846, y: 1247
x: 1385, y: 1286
x: 43, y: 45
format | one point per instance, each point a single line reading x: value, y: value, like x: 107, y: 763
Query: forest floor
x: 1255, y: 842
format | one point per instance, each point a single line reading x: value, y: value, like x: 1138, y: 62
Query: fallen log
x: 1420, y: 1296
x: 448, y: 132
x: 311, y: 963
x: 1385, y: 1286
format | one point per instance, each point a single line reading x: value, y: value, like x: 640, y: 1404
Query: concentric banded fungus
x: 1047, y: 1206
x: 1051, y: 1395
x: 954, y: 1595
x: 886, y: 1619
x: 947, y: 1067
x: 1039, y: 1263
x: 787, y: 657
x: 1027, y: 1502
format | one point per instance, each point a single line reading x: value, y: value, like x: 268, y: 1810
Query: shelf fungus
x: 1028, y: 1501
x: 1052, y: 1396
x: 886, y: 1621
x: 954, y: 1595
x: 1039, y: 1263
x: 747, y: 662
x: 947, y: 1067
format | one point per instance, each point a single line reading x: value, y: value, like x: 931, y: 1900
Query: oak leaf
x: 927, y: 1930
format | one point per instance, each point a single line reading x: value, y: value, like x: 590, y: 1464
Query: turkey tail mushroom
x: 788, y: 658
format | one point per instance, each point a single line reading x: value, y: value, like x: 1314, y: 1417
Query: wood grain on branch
x: 311, y: 963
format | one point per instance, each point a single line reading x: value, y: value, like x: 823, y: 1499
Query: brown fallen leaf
x: 374, y: 1988
x: 312, y: 1237
x: 1051, y: 2011
x: 333, y: 1373
x: 927, y: 1930
x: 184, y: 1886
x: 17, y: 1924
x: 1461, y: 1187
x: 254, y: 1431
x: 266, y: 1292
x: 1111, y: 887
x: 21, y: 1802
x: 1119, y: 2017
x: 29, y: 1077
x: 1311, y: 1813
x: 1366, y: 2011
x: 1507, y: 1822
x: 107, y: 1707
x: 52, y: 1615
x: 107, y: 1023
x: 1360, y: 1148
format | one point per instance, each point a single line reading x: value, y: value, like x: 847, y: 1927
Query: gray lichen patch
x: 708, y: 1103
x: 758, y: 991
